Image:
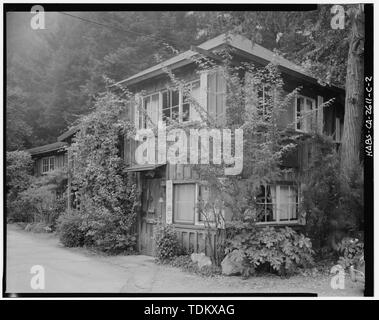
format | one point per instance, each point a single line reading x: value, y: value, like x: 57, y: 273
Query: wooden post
x: 69, y: 181
x: 320, y: 115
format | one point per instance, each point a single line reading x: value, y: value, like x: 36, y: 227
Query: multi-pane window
x: 262, y: 101
x: 48, y: 164
x: 304, y: 113
x: 184, y: 203
x: 278, y: 203
x: 176, y: 105
x: 170, y: 105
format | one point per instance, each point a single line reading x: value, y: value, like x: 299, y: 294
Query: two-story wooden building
x: 170, y: 192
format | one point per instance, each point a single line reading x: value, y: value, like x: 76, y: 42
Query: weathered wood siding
x: 194, y: 239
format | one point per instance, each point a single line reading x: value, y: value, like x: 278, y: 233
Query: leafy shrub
x: 352, y: 252
x: 18, y: 173
x: 18, y: 179
x: 108, y: 194
x: 19, y: 210
x: 70, y: 231
x: 283, y: 250
x: 333, y: 203
x: 109, y: 232
x: 167, y: 243
x: 42, y: 201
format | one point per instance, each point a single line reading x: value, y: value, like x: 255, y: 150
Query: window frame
x: 276, y: 203
x: 194, y: 220
x: 181, y: 102
x: 50, y: 164
x: 299, y: 122
x: 169, y: 92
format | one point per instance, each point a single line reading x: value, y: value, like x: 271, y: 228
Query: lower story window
x: 184, y: 203
x: 278, y: 203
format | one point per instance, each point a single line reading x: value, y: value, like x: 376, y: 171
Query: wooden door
x: 150, y: 214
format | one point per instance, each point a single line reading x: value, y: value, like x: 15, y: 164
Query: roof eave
x: 132, y: 81
x: 300, y: 75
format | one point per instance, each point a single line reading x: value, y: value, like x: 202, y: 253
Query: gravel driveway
x: 75, y: 270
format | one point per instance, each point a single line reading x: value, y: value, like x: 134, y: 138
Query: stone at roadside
x: 233, y: 264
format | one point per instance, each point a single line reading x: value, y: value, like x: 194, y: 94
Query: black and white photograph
x: 188, y: 150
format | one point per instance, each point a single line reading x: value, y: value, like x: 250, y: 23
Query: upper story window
x: 304, y: 113
x: 48, y: 164
x: 170, y: 105
x: 178, y: 104
x: 278, y: 203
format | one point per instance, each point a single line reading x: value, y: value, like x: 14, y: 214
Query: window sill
x: 187, y: 226
x: 279, y: 223
x: 46, y: 172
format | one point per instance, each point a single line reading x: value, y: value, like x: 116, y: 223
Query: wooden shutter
x: 220, y: 98
x: 154, y: 108
x: 196, y: 95
x: 160, y: 102
x: 320, y: 114
x: 201, y: 97
x: 169, y: 200
x: 211, y: 98
x: 137, y: 111
x: 217, y: 96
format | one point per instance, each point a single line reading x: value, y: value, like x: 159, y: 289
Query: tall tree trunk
x: 354, y: 103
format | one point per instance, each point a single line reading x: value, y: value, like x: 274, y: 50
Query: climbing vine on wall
x: 108, y: 194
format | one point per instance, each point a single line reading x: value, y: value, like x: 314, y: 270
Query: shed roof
x: 68, y: 133
x: 47, y: 148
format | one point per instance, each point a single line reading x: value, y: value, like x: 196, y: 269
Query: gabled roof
x: 68, y: 133
x: 242, y: 45
x: 47, y: 148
